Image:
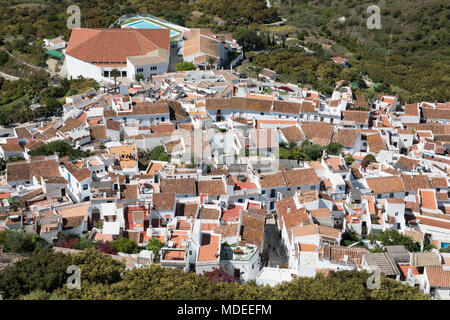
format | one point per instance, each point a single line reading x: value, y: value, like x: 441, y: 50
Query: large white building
x: 94, y: 53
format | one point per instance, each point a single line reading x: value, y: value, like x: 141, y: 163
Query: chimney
x: 203, y: 197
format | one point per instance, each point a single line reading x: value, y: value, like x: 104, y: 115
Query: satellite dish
x: 16, y: 198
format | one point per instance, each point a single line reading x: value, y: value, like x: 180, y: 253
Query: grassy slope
x: 410, y: 52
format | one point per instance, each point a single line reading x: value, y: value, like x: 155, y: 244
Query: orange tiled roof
x: 115, y: 45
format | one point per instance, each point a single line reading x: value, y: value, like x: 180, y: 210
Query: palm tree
x: 210, y: 62
x: 115, y: 73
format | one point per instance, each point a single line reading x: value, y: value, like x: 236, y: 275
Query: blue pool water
x: 444, y: 244
x: 145, y: 24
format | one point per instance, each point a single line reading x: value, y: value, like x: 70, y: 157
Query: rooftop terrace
x: 238, y: 253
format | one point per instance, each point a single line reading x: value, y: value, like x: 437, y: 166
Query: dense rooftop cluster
x: 192, y: 159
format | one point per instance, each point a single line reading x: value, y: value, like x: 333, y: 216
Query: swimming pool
x: 145, y: 24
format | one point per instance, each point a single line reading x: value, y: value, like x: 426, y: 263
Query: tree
x: 248, y: 39
x: 156, y: 282
x: 115, y: 74
x: 125, y: 245
x: 52, y: 106
x: 350, y: 237
x: 98, y: 267
x: 105, y: 247
x: 349, y: 159
x: 4, y: 57
x: 158, y: 153
x: 328, y: 72
x: 44, y: 271
x: 155, y: 245
x: 211, y: 62
x: 394, y: 238
x: 85, y: 243
x: 333, y: 148
x: 139, y: 77
x: 218, y: 275
x: 21, y: 242
x: 39, y: 294
x: 185, y: 66
x: 312, y: 152
x: 60, y: 148
x: 368, y: 159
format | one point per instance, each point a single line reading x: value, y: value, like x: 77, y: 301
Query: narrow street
x: 272, y: 247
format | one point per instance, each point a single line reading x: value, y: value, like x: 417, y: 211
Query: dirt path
x: 8, y: 76
x: 24, y: 62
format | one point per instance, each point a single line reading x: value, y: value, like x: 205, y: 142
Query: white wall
x: 76, y: 67
x: 161, y: 68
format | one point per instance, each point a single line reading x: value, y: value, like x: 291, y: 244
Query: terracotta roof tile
x: 376, y: 143
x: 178, y: 186
x: 292, y: 134
x: 360, y: 117
x: 385, y: 184
x: 211, y: 187
x: 346, y: 137
x: 115, y: 45
x: 318, y: 132
x: 164, y: 201
x: 22, y: 171
x: 438, y: 277
x: 301, y: 177
x: 209, y: 214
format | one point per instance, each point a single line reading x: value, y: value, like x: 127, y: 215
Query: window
x: 163, y: 118
x: 106, y: 74
x: 140, y: 70
x: 379, y: 196
x: 406, y: 194
x: 313, y: 187
x: 85, y: 186
x: 391, y: 195
x: 124, y: 74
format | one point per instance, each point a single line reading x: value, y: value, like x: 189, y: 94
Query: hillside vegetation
x: 410, y: 53
x: 43, y: 276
